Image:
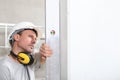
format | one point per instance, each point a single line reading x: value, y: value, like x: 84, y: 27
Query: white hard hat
x: 24, y: 26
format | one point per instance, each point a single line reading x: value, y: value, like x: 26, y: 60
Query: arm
x: 45, y: 52
x: 41, y: 56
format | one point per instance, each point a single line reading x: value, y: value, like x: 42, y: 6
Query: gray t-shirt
x: 11, y: 70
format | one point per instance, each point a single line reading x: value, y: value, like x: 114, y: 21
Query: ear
x: 16, y: 37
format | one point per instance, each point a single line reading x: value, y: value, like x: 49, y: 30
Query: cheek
x: 25, y: 40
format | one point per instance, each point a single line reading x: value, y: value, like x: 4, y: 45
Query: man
x: 21, y: 61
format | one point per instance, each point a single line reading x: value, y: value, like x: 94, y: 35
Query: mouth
x: 31, y: 46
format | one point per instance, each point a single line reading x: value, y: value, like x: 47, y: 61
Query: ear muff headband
x: 23, y: 58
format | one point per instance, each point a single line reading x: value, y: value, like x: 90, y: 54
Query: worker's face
x: 27, y: 41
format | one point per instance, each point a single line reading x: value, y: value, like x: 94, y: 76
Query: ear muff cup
x: 25, y: 58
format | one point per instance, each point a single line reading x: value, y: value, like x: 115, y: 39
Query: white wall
x: 94, y: 39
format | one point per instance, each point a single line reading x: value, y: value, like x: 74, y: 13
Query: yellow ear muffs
x: 25, y: 58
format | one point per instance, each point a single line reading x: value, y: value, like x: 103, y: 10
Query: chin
x: 30, y: 51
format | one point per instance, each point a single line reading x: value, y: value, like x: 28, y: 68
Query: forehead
x: 29, y: 32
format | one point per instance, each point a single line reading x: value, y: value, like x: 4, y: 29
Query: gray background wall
x: 14, y: 11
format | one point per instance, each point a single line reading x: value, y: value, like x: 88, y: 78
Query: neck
x: 14, y: 59
x: 13, y: 56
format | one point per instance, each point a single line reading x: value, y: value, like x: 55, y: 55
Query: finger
x: 47, y: 53
x: 43, y: 58
x: 42, y: 50
x: 45, y: 45
x: 42, y: 55
x: 45, y: 49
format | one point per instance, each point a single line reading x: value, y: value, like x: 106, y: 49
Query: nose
x: 34, y: 40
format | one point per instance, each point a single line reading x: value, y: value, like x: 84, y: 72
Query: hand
x: 45, y: 52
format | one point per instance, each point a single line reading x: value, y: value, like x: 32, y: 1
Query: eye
x: 32, y: 37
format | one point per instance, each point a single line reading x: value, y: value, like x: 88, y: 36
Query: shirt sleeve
x: 4, y: 73
x: 37, y: 64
